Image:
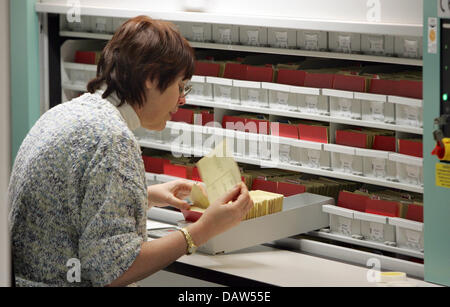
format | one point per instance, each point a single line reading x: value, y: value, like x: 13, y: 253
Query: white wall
x: 5, y: 146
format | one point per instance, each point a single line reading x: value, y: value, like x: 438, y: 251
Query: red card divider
x: 154, y: 165
x: 291, y: 77
x: 85, y: 57
x: 284, y: 130
x: 319, y: 80
x: 383, y: 207
x: 410, y: 148
x: 384, y: 142
x: 415, y: 213
x: 260, y: 74
x: 289, y: 189
x: 196, y: 174
x: 264, y: 185
x: 383, y: 87
x: 409, y: 88
x: 207, y: 69
x: 207, y: 117
x: 313, y: 133
x: 352, y: 201
x: 183, y: 115
x: 351, y: 138
x: 349, y: 83
x: 235, y: 71
x: 175, y: 170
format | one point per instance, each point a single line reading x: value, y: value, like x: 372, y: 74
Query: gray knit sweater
x: 78, y: 196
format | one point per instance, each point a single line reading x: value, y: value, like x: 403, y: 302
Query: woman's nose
x: 181, y: 101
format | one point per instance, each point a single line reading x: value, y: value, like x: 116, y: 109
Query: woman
x: 77, y: 190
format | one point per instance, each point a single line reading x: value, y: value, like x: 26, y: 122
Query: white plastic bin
x: 382, y: 45
x: 253, y: 36
x: 344, y: 159
x: 376, y: 108
x: 409, y: 234
x: 223, y: 90
x: 311, y: 101
x: 342, y: 221
x: 376, y: 228
x: 343, y: 104
x: 312, y: 40
x: 225, y: 34
x: 282, y: 38
x: 409, y: 168
x: 408, y: 111
x: 252, y: 94
x: 344, y: 42
x: 200, y: 88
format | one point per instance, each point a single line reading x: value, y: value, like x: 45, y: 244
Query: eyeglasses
x: 184, y: 91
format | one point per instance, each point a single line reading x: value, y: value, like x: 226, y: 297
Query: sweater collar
x: 126, y: 110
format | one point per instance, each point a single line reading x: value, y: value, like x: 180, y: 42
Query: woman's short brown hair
x: 141, y: 49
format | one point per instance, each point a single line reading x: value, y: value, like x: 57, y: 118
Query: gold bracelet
x: 191, y: 247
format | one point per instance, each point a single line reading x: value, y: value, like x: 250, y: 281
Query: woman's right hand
x: 222, y: 215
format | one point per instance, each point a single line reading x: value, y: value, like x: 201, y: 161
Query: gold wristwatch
x: 191, y: 247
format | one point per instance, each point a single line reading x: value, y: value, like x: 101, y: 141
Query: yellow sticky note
x: 443, y: 175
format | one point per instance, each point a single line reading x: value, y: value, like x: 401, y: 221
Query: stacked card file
x: 264, y: 203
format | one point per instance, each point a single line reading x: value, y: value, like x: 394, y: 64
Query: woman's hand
x: 222, y: 215
x: 171, y: 193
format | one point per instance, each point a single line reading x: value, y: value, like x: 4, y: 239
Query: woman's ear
x: 149, y: 84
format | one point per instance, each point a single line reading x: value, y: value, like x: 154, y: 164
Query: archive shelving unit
x: 59, y: 44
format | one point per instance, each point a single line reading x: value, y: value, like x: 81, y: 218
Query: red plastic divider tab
x: 313, y: 133
x: 85, y: 57
x: 154, y: 165
x: 284, y: 130
x: 235, y: 71
x: 411, y: 148
x: 383, y: 207
x: 260, y: 74
x: 288, y: 189
x: 351, y: 138
x: 319, y: 80
x: 183, y: 115
x: 207, y: 117
x: 410, y: 88
x: 207, y: 69
x: 415, y: 213
x: 264, y: 185
x: 384, y: 142
x: 383, y: 87
x: 291, y: 77
x: 349, y: 83
x: 177, y: 170
x: 352, y: 201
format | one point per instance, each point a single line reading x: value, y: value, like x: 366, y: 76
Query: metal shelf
x: 284, y: 166
x: 269, y: 50
x: 242, y: 19
x: 324, y: 118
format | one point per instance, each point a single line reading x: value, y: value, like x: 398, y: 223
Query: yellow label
x: 443, y: 175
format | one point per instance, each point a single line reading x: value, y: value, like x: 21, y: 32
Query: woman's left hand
x: 171, y: 193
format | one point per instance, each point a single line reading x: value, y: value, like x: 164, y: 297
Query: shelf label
x: 311, y: 103
x: 225, y: 36
x: 376, y: 231
x: 282, y: 98
x: 198, y: 33
x: 345, y: 106
x: 281, y: 39
x: 377, y: 110
x: 411, y: 48
x: 379, y: 167
x: 412, y: 172
x: 253, y: 95
x: 225, y: 92
x: 443, y: 175
x: 311, y: 42
x: 376, y: 44
x: 345, y: 43
x: 314, y: 158
x: 345, y: 226
x: 253, y: 37
x: 347, y: 163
